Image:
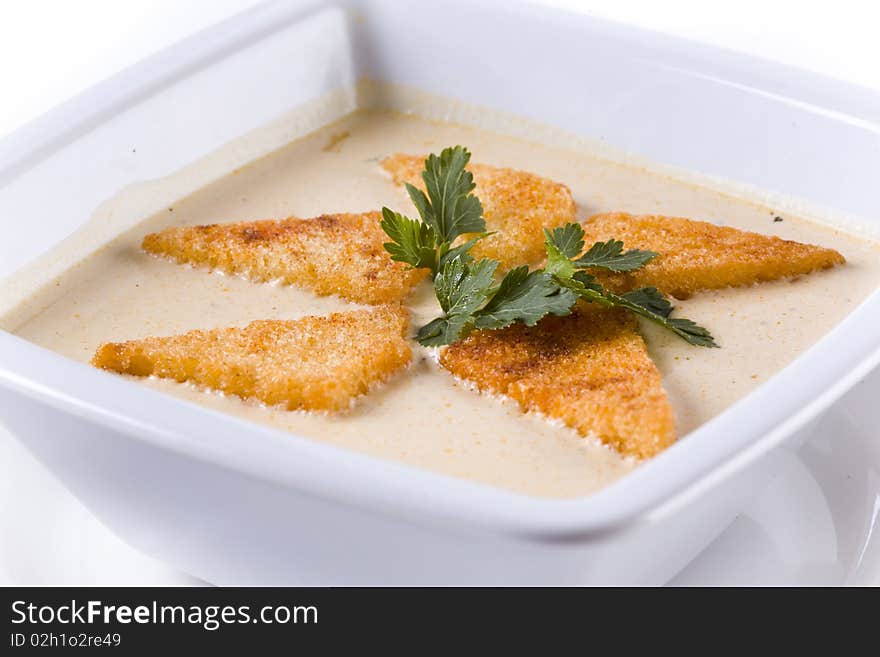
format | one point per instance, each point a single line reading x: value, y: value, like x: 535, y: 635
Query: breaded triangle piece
x: 313, y: 363
x: 516, y: 204
x: 331, y: 254
x: 696, y: 255
x: 590, y: 370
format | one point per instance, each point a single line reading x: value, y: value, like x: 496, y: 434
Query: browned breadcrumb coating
x: 591, y: 370
x: 516, y: 204
x: 313, y: 363
x: 696, y: 255
x: 331, y: 254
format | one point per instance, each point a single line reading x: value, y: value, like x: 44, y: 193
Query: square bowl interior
x: 686, y: 106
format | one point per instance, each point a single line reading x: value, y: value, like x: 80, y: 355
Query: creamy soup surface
x: 424, y: 417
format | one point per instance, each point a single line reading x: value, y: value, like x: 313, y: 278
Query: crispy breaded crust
x: 313, y: 363
x: 516, y: 204
x: 331, y: 254
x: 696, y: 255
x: 590, y: 370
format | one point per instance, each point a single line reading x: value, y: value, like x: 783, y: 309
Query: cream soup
x: 423, y: 417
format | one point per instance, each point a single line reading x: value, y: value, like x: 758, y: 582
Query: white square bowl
x: 235, y: 502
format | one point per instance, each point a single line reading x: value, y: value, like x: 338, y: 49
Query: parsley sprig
x: 564, y: 243
x: 448, y: 211
x: 466, y: 289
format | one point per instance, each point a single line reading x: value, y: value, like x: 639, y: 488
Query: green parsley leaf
x: 437, y: 333
x: 587, y: 280
x: 584, y: 285
x: 413, y: 242
x: 691, y: 331
x: 462, y: 288
x: 568, y: 239
x: 448, y: 253
x: 659, y: 313
x: 526, y: 297
x: 558, y: 264
x: 449, y: 207
x: 652, y: 299
x: 611, y: 256
x: 448, y: 211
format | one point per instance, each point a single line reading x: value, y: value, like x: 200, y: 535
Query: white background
x: 52, y: 49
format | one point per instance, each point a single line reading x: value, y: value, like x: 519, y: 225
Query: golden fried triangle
x: 517, y: 205
x: 313, y: 363
x: 590, y: 370
x: 696, y: 255
x: 332, y: 254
